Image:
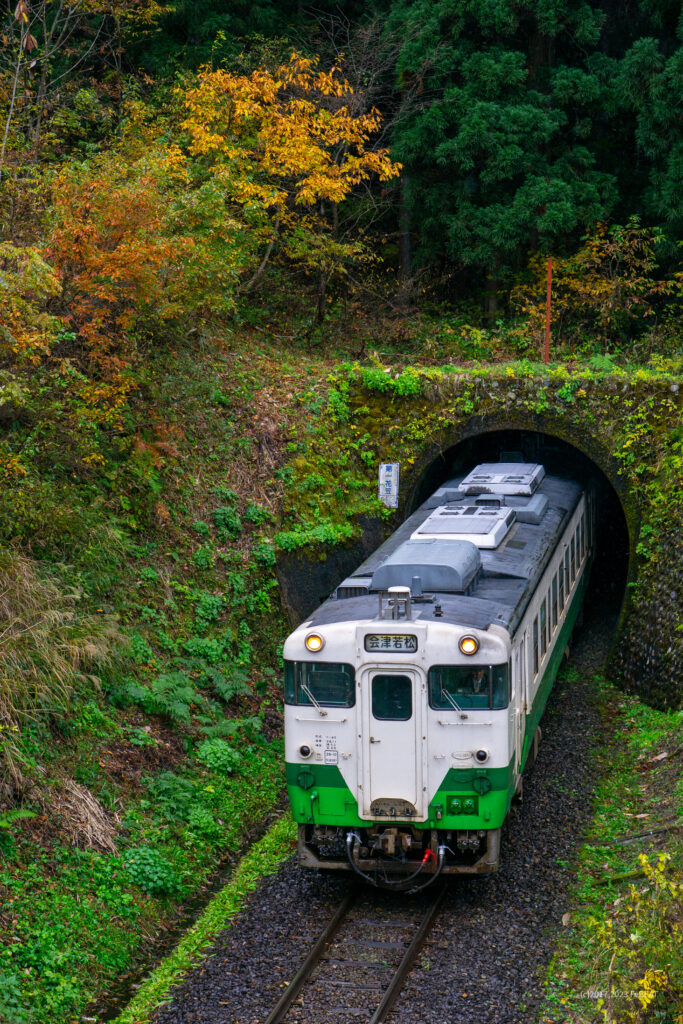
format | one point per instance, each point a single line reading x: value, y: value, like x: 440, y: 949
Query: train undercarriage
x: 390, y: 856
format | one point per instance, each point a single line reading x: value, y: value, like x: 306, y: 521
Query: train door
x: 391, y: 743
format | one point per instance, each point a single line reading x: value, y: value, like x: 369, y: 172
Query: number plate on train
x: 390, y: 642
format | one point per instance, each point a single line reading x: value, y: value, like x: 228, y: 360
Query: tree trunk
x: 320, y: 298
x: 264, y: 262
x: 405, y: 252
x: 491, y: 302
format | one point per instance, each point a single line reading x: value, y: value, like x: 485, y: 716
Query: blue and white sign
x: 388, y: 483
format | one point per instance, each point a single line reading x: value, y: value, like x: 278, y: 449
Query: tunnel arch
x: 617, y: 522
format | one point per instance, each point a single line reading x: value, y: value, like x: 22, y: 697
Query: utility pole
x: 546, y: 354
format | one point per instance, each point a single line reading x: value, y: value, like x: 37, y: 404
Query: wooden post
x: 546, y: 354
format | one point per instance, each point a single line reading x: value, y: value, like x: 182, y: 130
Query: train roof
x: 477, y: 548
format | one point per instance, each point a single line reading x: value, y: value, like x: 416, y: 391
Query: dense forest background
x: 517, y: 130
x: 205, y: 207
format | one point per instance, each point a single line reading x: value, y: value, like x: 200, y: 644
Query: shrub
x: 256, y: 514
x: 218, y: 755
x: 208, y: 608
x: 227, y: 521
x: 12, y: 1007
x: 201, y: 820
x: 151, y: 872
x: 639, y: 948
x: 264, y: 554
x: 204, y: 557
x: 210, y: 649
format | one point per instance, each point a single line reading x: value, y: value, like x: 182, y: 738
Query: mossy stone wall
x: 628, y: 425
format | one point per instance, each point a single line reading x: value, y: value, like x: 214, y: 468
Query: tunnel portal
x: 611, y: 568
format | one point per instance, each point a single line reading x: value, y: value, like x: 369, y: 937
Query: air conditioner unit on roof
x: 481, y: 525
x: 520, y: 478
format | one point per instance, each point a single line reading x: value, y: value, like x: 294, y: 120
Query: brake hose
x: 402, y: 884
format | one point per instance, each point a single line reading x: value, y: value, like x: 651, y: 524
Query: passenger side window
x: 544, y: 640
x: 560, y: 577
x: 554, y: 602
x: 535, y: 636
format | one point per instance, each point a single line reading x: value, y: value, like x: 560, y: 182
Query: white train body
x: 414, y: 694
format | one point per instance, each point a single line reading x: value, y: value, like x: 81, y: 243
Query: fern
x: 7, y: 822
x: 171, y: 694
x: 174, y: 795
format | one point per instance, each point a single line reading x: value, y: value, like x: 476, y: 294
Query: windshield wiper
x: 321, y: 711
x: 451, y: 701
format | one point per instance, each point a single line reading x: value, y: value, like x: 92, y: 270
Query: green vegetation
x: 222, y: 302
x: 621, y: 955
x: 122, y: 792
x: 263, y: 859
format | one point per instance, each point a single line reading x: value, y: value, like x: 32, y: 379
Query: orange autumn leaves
x: 609, y: 282
x: 160, y: 233
x: 288, y: 149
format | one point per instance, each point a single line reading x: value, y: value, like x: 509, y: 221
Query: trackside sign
x: 388, y: 483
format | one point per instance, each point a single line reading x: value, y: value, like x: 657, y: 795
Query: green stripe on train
x: 319, y: 795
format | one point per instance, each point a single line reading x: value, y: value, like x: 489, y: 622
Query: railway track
x: 358, y: 965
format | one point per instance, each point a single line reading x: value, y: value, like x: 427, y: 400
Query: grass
x: 620, y: 960
x: 263, y: 859
x: 83, y: 917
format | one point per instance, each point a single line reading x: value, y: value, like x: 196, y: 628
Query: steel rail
x: 324, y: 940
x: 403, y: 969
x: 302, y: 975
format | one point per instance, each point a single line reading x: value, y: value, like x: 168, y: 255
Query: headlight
x: 305, y: 750
x: 481, y: 756
x: 469, y: 644
x: 314, y: 643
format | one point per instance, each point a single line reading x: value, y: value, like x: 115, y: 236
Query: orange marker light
x: 469, y: 644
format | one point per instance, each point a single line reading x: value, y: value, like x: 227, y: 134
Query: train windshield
x: 468, y: 686
x: 322, y: 682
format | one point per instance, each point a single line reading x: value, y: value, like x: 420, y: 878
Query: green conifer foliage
x: 497, y: 147
x: 650, y: 84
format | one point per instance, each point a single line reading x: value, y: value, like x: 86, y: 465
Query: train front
x: 398, y: 737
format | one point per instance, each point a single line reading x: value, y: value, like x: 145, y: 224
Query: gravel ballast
x: 485, y: 957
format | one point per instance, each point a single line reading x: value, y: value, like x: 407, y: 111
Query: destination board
x: 390, y: 642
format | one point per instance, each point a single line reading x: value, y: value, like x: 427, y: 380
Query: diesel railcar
x: 413, y: 695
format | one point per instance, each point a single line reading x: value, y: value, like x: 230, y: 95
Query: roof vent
x: 531, y: 511
x: 354, y: 586
x: 503, y: 478
x: 444, y: 565
x: 479, y: 524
